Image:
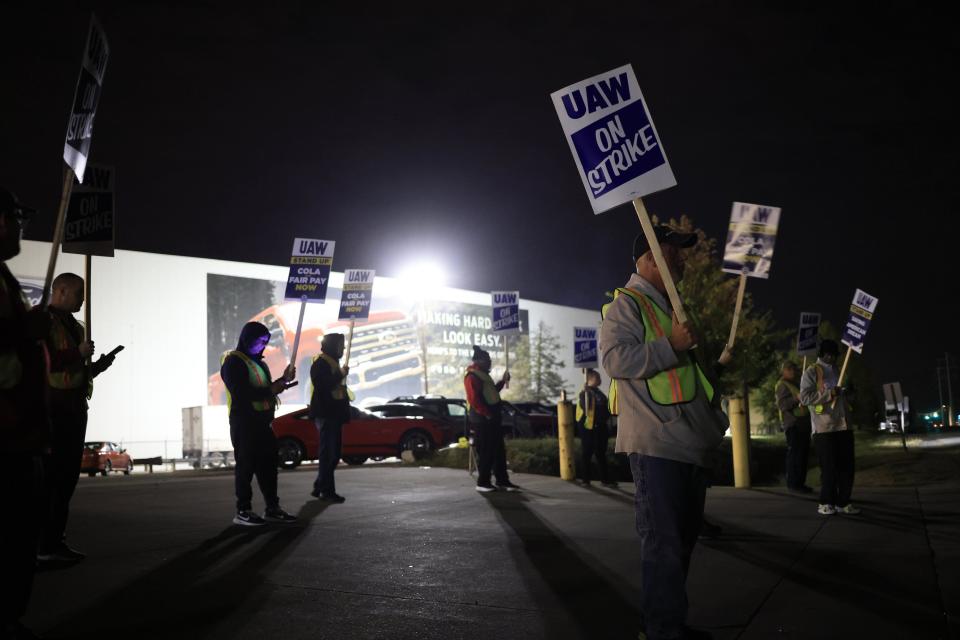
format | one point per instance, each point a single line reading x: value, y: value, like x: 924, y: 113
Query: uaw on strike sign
x: 506, y: 311
x: 310, y: 267
x: 76, y: 147
x: 750, y: 239
x: 612, y: 138
x: 90, y: 226
x: 861, y: 313
x: 585, y: 347
x: 357, y: 294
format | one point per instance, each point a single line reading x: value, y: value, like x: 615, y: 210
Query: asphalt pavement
x: 417, y: 553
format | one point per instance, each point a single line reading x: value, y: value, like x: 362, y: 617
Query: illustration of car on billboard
x: 385, y: 359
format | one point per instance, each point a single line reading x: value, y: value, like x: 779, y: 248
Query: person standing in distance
x: 485, y: 419
x: 668, y: 425
x: 593, y: 415
x: 795, y: 426
x: 252, y: 401
x: 330, y: 410
x: 70, y: 378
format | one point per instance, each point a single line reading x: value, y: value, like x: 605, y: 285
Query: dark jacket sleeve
x: 322, y: 404
x: 787, y: 402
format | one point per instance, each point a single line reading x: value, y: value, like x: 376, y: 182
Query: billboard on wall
x: 386, y: 360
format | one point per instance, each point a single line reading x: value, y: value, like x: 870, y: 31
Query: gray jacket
x: 833, y: 418
x: 689, y: 432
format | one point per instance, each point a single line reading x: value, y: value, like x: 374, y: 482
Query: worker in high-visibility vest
x: 796, y: 427
x: 251, y: 401
x: 593, y: 416
x: 832, y: 432
x: 485, y: 419
x: 330, y: 410
x: 23, y: 424
x: 70, y: 379
x: 669, y: 424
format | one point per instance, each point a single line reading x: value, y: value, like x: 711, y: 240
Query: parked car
x: 104, y: 457
x: 367, y: 435
x: 537, y: 408
x: 516, y: 423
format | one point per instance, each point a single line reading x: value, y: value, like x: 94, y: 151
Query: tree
x: 535, y: 371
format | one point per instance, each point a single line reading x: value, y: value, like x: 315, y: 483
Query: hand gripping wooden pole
x: 665, y: 274
x: 736, y: 310
x: 57, y: 234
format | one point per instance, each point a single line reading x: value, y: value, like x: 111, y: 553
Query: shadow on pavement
x: 581, y: 590
x: 188, y: 596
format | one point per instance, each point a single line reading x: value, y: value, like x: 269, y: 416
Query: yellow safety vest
x: 258, y: 379
x: 75, y: 375
x: 590, y: 412
x: 670, y: 387
x: 490, y: 394
x: 11, y: 369
x: 800, y: 410
x: 340, y: 391
x: 818, y: 408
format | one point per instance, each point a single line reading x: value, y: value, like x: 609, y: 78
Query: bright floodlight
x: 423, y: 279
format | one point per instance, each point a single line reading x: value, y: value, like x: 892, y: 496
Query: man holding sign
x: 669, y: 426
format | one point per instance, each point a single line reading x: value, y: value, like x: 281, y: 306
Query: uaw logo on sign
x: 861, y: 313
x: 357, y: 294
x: 584, y: 347
x: 90, y: 225
x: 612, y: 138
x: 750, y: 239
x: 76, y: 147
x: 506, y: 311
x: 807, y: 336
x: 310, y: 267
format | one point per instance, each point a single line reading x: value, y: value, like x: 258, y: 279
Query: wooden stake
x: 506, y: 357
x: 57, y: 234
x: 804, y: 365
x: 346, y: 360
x: 736, y: 310
x: 296, y: 338
x: 843, y: 372
x: 87, y: 312
x: 665, y: 274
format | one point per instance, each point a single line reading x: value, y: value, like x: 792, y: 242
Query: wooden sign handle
x: 57, y: 234
x: 843, y: 372
x: 346, y: 360
x: 665, y: 274
x: 506, y: 357
x: 736, y: 310
x: 296, y: 338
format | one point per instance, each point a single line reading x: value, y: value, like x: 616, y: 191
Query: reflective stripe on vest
x: 590, y: 412
x: 74, y: 376
x: 490, y: 394
x: 800, y: 410
x: 673, y: 386
x: 340, y: 391
x: 11, y: 369
x: 258, y: 380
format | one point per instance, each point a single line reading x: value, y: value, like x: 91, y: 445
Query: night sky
x: 431, y: 135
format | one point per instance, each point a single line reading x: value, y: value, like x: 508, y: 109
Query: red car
x: 367, y: 435
x: 104, y: 457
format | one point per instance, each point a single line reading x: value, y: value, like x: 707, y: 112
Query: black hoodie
x: 237, y: 378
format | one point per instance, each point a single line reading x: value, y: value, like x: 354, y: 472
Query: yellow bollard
x: 568, y: 469
x: 740, y: 436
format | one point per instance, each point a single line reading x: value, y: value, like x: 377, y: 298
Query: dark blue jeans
x: 669, y: 508
x: 328, y: 454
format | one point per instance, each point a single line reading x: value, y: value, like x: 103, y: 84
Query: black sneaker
x: 485, y: 487
x: 332, y: 497
x: 508, y: 486
x: 248, y: 519
x: 278, y: 515
x: 59, y: 554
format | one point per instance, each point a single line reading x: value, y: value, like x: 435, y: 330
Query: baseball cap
x: 665, y: 235
x: 9, y: 203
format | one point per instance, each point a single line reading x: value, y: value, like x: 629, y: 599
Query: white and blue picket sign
x: 585, y: 347
x: 357, y: 294
x: 808, y: 334
x: 861, y: 313
x: 612, y: 138
x: 506, y: 310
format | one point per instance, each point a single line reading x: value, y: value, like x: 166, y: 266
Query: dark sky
x: 426, y: 134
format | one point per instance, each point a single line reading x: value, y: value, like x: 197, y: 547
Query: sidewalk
x: 417, y: 553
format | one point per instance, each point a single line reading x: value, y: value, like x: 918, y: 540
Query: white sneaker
x: 848, y: 510
x: 826, y: 509
x: 485, y: 488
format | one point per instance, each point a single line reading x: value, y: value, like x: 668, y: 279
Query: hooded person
x: 251, y: 401
x: 484, y: 417
x: 330, y: 410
